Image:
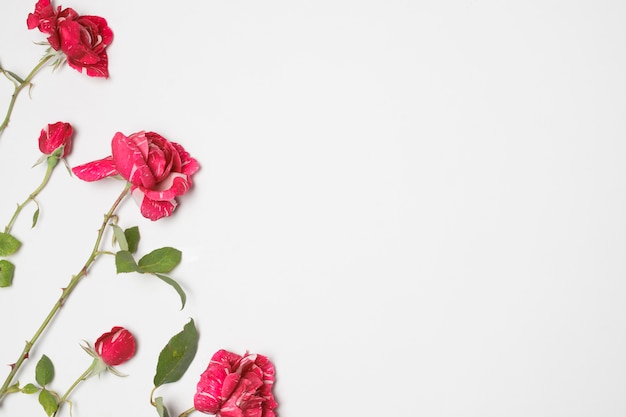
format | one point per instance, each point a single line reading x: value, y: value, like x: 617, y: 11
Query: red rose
x: 54, y: 136
x: 159, y: 170
x: 235, y: 386
x: 83, y: 39
x: 116, y: 346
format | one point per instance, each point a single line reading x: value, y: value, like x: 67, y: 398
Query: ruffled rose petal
x: 151, y: 209
x: 73, y: 46
x: 175, y: 185
x: 96, y: 170
x: 42, y: 17
x: 213, y: 386
x: 129, y: 154
x: 100, y: 34
x: 243, y: 402
x: 189, y: 165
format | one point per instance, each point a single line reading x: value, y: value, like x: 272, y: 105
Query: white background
x: 413, y: 208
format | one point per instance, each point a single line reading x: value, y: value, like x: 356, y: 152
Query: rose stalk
x: 18, y: 85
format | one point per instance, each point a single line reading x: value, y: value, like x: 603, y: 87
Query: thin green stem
x: 52, y: 162
x: 64, y: 295
x: 19, y: 86
x: 80, y: 379
x: 187, y: 412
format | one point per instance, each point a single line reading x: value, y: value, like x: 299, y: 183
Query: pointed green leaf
x: 15, y: 76
x: 120, y: 237
x: 44, y: 371
x: 8, y: 244
x: 30, y: 389
x: 161, y: 260
x: 177, y: 287
x: 35, y: 217
x: 7, y: 269
x: 177, y: 355
x: 14, y: 388
x: 124, y: 262
x: 132, y: 237
x: 161, y: 409
x: 48, y: 401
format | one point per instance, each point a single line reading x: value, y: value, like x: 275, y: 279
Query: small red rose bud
x: 116, y: 346
x: 54, y: 136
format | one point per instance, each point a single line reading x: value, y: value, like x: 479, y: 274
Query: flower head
x: 158, y: 170
x: 54, y: 136
x: 82, y: 39
x: 236, y: 386
x: 115, y: 347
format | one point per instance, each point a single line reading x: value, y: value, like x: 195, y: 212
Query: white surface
x: 413, y: 208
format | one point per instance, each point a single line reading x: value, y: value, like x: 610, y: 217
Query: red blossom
x: 83, y: 39
x: 236, y: 386
x: 159, y: 170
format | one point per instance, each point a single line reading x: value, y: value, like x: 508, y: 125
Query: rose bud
x: 54, y: 136
x: 115, y: 347
x: 236, y: 386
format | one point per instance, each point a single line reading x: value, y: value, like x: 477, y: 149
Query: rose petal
x: 175, y: 185
x: 96, y: 170
x: 189, y: 165
x: 150, y: 209
x: 129, y: 154
x: 210, y: 389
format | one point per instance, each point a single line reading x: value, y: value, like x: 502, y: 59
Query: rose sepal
x: 98, y: 365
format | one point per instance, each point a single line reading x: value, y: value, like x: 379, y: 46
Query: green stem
x: 64, y: 295
x: 188, y: 412
x: 81, y: 378
x: 20, y: 86
x: 52, y: 162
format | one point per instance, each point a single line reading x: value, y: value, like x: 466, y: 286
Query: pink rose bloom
x: 236, y: 386
x: 83, y: 39
x: 115, y: 347
x: 159, y: 170
x: 54, y: 136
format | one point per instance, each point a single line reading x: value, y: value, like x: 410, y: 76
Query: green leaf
x: 15, y: 76
x: 35, y: 217
x: 30, y: 389
x: 8, y: 244
x: 48, y: 401
x: 44, y: 371
x: 14, y: 388
x: 177, y: 355
x: 124, y: 262
x: 120, y: 237
x: 7, y: 269
x: 132, y: 237
x: 177, y: 287
x: 160, y: 260
x: 161, y: 409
